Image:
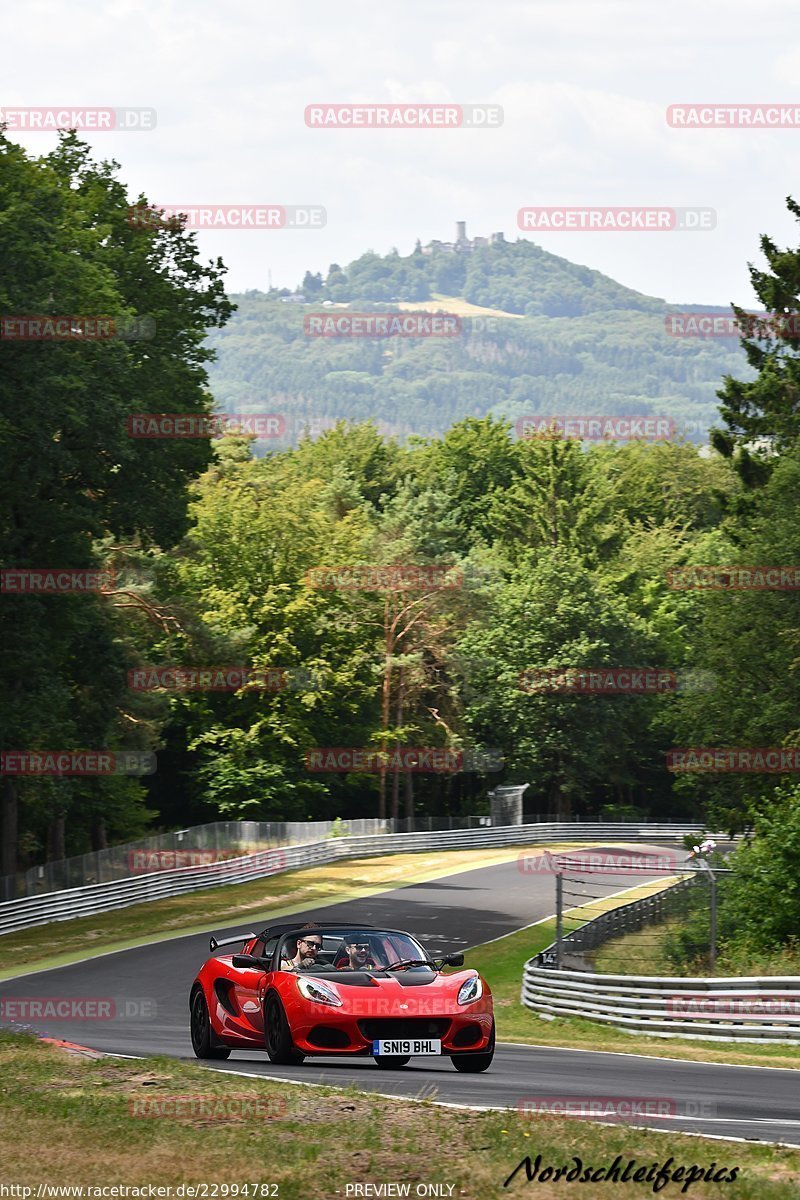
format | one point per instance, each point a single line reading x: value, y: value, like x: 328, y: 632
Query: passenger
x: 358, y: 958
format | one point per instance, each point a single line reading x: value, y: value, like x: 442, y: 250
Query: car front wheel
x: 278, y: 1036
x: 472, y: 1064
x: 200, y: 1026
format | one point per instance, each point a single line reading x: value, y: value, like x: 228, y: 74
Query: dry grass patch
x: 69, y: 1121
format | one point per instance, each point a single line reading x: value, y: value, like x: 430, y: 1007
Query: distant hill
x: 572, y: 341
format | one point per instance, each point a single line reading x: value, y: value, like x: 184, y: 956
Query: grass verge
x: 313, y: 1142
x: 644, y: 953
x: 640, y: 953
x: 501, y: 963
x: 248, y: 903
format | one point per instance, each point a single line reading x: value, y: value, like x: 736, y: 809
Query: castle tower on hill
x: 462, y: 244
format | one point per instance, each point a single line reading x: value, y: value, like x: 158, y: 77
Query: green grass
x: 74, y: 1121
x: 640, y: 953
x: 644, y: 953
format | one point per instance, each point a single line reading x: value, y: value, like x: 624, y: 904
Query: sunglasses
x: 311, y: 945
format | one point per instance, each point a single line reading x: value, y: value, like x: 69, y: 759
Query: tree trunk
x: 385, y: 703
x: 409, y: 808
x: 9, y: 827
x: 99, y: 840
x: 56, y: 838
x: 401, y: 683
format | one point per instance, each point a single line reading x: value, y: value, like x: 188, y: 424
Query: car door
x: 250, y: 985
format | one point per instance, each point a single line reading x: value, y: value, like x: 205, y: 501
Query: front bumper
x: 333, y: 1031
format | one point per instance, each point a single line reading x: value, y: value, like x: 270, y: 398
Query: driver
x: 358, y: 957
x: 308, y: 947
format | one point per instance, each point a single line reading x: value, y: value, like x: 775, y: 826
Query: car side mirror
x: 249, y: 960
x: 453, y: 960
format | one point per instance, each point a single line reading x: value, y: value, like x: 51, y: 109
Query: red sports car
x: 346, y: 990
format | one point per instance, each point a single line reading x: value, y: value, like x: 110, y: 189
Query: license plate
x: 405, y: 1046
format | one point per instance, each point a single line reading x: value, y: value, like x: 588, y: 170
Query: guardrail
x: 178, y: 848
x: 752, y: 1009
x: 104, y: 897
x: 217, y: 840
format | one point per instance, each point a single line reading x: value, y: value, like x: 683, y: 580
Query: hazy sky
x: 584, y: 87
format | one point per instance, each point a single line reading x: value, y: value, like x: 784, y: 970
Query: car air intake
x: 223, y: 990
x: 328, y: 1038
x: 468, y: 1035
x: 405, y: 1027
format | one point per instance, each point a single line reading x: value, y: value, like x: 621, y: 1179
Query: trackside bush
x: 758, y: 916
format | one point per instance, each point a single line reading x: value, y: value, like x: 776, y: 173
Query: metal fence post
x: 559, y: 917
x: 712, y: 952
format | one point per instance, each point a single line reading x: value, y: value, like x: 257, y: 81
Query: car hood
x: 390, y: 981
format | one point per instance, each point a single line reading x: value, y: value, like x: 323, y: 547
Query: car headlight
x: 319, y: 992
x: 471, y: 990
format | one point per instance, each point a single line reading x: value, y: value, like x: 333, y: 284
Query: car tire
x: 390, y: 1062
x: 200, y: 1028
x: 277, y: 1034
x: 472, y: 1064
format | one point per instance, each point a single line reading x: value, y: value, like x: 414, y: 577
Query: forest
x: 368, y: 594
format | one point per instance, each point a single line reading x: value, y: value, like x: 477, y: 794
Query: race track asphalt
x: 150, y: 984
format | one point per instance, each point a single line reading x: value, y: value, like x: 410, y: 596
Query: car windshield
x: 348, y: 948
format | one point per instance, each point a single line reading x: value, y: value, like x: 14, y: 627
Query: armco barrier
x: 104, y: 897
x: 753, y: 1009
x: 746, y: 1009
x: 213, y: 841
